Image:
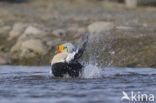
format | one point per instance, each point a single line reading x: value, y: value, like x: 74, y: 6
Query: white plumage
x: 66, y: 60
x: 71, y: 53
x: 75, y: 54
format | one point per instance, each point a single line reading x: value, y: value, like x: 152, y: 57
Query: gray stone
x: 35, y: 45
x: 124, y: 28
x: 3, y: 61
x: 131, y: 3
x: 81, y: 30
x: 16, y: 47
x: 1, y: 22
x: 27, y: 53
x: 32, y: 32
x: 72, y: 29
x: 101, y: 26
x: 59, y: 33
x: 17, y: 30
x: 4, y: 29
x: 52, y: 43
x: 30, y: 40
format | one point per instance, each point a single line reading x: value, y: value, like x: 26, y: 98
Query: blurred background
x: 122, y: 32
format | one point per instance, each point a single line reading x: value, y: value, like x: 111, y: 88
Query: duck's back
x: 59, y: 57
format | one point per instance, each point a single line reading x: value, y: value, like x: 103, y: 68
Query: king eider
x: 65, y: 62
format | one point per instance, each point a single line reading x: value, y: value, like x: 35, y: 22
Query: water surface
x: 19, y: 84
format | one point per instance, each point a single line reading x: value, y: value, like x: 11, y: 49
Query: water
x: 19, y: 84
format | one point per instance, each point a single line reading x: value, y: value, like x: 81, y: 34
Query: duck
x: 66, y: 61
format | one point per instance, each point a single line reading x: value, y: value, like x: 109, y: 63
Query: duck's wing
x: 81, y: 49
x: 78, y: 53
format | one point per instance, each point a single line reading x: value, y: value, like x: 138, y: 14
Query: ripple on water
x: 35, y: 84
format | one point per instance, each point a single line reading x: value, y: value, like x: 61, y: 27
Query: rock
x: 78, y: 41
x: 52, y: 43
x: 16, y: 47
x: 32, y: 36
x: 27, y: 54
x: 100, y: 26
x: 1, y: 48
x: 3, y: 61
x: 59, y: 33
x: 72, y: 29
x: 5, y: 29
x: 32, y: 32
x: 81, y: 30
x: 17, y: 30
x: 145, y: 25
x: 131, y: 3
x: 35, y: 45
x: 124, y: 28
x: 1, y: 22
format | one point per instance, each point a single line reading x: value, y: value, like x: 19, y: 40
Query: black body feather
x: 72, y: 69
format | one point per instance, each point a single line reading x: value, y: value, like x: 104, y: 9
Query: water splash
x: 99, y: 50
x: 96, y: 56
x: 91, y: 71
x: 92, y: 57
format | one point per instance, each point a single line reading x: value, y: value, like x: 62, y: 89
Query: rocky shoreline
x: 31, y: 31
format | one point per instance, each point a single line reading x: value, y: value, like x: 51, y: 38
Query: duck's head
x: 66, y: 47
